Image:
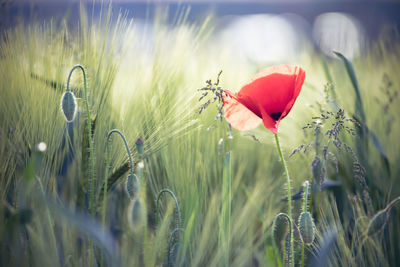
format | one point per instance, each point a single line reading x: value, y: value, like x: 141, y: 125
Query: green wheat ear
x: 307, y: 228
x: 136, y: 215
x: 68, y: 106
x: 381, y: 218
x: 378, y: 222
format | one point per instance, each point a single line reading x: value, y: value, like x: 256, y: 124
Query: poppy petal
x: 269, y: 122
x: 300, y: 77
x: 239, y: 116
x: 269, y: 96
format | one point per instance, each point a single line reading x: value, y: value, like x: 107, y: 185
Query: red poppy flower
x: 268, y: 98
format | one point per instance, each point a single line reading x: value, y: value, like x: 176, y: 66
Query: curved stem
x: 392, y: 203
x: 89, y: 126
x: 288, y: 191
x: 128, y: 151
x: 289, y: 219
x: 178, y: 212
x: 107, y: 168
x: 305, y: 207
x: 306, y: 195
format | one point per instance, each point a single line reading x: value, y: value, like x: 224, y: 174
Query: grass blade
x: 88, y: 226
x: 322, y: 257
x: 225, y: 219
x: 359, y: 110
x: 364, y: 132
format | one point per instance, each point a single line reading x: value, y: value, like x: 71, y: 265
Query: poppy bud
x: 307, y: 230
x: 173, y: 254
x: 136, y: 215
x: 132, y: 186
x: 280, y: 230
x: 68, y: 106
x: 140, y: 145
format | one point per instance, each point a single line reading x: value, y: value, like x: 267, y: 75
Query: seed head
x: 140, y: 145
x: 68, y: 106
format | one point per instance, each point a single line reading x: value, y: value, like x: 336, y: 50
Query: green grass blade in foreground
x: 328, y: 242
x: 86, y: 225
x: 359, y: 115
x: 225, y: 219
x: 332, y: 99
x: 359, y: 110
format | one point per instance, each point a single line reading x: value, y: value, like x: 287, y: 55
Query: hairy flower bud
x: 280, y: 229
x: 68, y: 106
x: 306, y: 227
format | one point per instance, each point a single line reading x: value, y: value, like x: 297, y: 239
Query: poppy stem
x: 90, y: 137
x: 289, y: 195
x: 128, y: 151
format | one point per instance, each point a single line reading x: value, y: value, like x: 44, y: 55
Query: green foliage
x: 152, y: 94
x: 225, y: 218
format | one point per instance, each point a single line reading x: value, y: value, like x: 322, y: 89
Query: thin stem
x: 91, y: 151
x: 178, y: 212
x: 305, y: 207
x: 302, y: 254
x: 107, y: 168
x: 104, y: 208
x: 89, y: 126
x: 306, y: 195
x: 51, y: 224
x: 288, y: 191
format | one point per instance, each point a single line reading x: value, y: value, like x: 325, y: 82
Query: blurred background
x: 258, y: 31
x: 146, y: 61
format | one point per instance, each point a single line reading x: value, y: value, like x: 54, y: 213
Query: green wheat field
x: 197, y: 193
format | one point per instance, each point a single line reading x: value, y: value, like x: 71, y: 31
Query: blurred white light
x: 141, y: 165
x: 339, y: 32
x: 41, y: 147
x: 261, y: 38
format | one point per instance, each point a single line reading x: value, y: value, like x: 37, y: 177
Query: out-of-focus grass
x: 148, y: 90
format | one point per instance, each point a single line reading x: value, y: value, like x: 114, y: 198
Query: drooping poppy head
x: 268, y: 98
